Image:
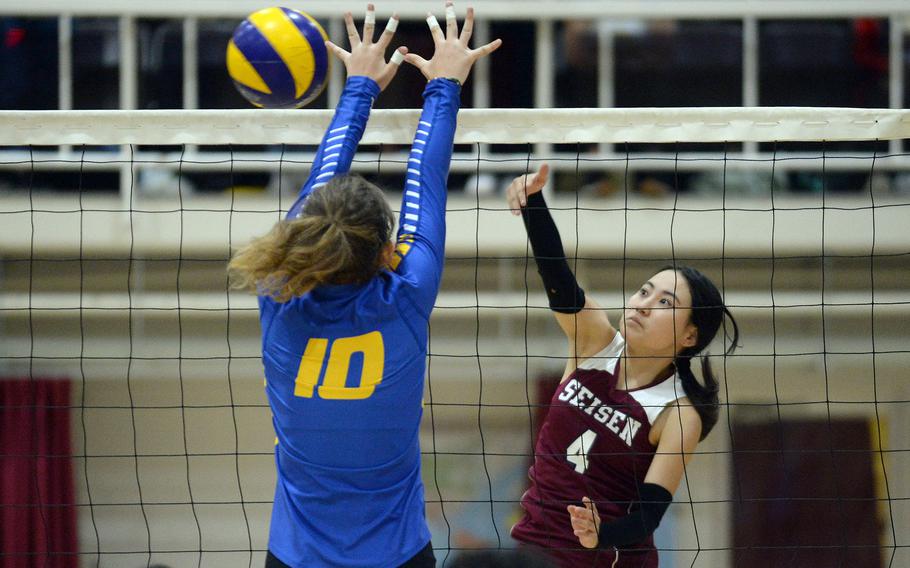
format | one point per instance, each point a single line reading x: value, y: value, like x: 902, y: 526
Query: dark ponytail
x: 708, y: 311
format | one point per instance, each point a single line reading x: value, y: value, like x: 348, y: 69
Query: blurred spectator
x: 576, y: 69
x: 870, y: 57
x: 96, y: 63
x: 659, y: 63
x: 846, y: 65
x: 29, y: 60
x: 752, y: 183
x: 160, y: 64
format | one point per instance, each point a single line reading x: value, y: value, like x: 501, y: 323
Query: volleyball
x: 278, y: 59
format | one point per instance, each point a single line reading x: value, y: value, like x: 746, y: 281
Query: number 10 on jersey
x: 340, y: 352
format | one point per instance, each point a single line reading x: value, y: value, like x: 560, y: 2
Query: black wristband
x: 643, y: 518
x: 562, y: 289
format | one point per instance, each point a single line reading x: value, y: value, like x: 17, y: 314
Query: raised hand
x: 452, y: 58
x: 585, y: 523
x: 367, y: 58
x: 521, y: 187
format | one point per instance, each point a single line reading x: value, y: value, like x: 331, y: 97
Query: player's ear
x: 691, y: 336
x: 386, y: 253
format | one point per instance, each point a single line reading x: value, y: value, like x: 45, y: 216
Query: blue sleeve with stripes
x: 420, y: 250
x: 336, y: 151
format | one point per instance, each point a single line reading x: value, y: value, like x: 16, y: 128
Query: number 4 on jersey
x: 577, y: 452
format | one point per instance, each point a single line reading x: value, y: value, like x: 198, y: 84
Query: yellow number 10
x: 336, y: 372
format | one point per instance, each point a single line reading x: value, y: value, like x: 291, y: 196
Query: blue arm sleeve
x: 336, y: 151
x: 420, y: 250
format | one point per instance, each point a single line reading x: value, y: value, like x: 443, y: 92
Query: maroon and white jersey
x: 594, y: 443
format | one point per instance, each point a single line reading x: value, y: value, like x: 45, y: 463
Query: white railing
x: 545, y: 13
x: 490, y: 126
x: 490, y: 9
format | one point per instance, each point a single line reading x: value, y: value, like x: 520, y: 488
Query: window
x: 96, y: 63
x: 160, y: 64
x: 29, y: 59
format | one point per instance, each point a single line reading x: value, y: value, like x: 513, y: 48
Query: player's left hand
x: 367, y: 58
x: 452, y: 58
x: 521, y: 187
x: 586, y: 523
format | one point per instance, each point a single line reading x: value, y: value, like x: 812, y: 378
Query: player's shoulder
x: 679, y: 420
x: 682, y: 412
x: 393, y: 295
x: 607, y: 358
x: 684, y: 407
x: 406, y: 280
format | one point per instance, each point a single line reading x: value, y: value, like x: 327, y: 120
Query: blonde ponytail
x: 338, y: 239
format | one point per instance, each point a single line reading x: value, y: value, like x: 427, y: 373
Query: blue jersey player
x: 344, y: 316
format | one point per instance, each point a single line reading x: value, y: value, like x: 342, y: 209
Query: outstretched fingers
x: 369, y: 24
x: 468, y: 29
x: 339, y: 52
x: 390, y: 28
x: 485, y: 50
x: 353, y: 36
x: 416, y: 60
x: 391, y: 68
x: 395, y: 61
x: 451, y: 21
x: 435, y: 30
x: 451, y: 57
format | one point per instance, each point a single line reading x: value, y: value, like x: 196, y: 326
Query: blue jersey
x: 345, y: 366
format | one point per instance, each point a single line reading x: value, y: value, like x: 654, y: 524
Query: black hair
x: 708, y: 311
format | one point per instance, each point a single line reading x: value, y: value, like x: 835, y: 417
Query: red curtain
x: 37, y: 512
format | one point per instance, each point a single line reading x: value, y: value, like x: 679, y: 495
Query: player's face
x: 657, y: 316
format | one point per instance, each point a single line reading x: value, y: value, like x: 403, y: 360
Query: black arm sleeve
x: 642, y: 520
x: 565, y: 295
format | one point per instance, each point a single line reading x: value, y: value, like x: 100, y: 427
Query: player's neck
x: 639, y: 370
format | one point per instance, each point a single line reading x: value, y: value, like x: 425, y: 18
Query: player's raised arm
x: 584, y: 322
x: 420, y: 249
x: 368, y: 74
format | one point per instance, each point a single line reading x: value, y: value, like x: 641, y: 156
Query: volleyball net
x: 135, y: 426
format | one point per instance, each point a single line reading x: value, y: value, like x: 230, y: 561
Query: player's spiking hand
x: 367, y: 58
x: 524, y: 185
x: 452, y: 58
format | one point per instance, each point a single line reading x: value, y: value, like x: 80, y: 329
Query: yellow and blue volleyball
x: 278, y: 59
